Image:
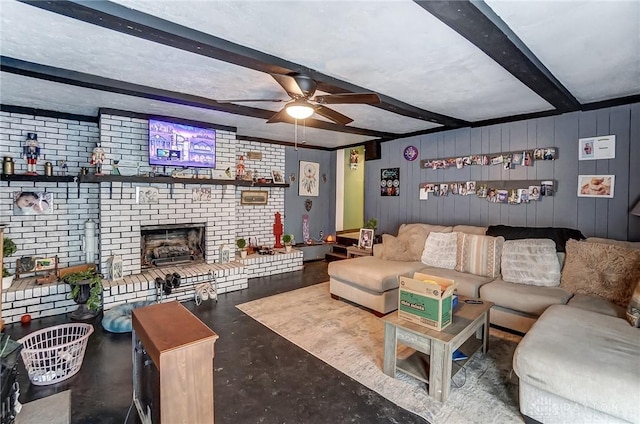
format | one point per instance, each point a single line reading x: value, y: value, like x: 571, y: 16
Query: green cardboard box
x: 426, y: 300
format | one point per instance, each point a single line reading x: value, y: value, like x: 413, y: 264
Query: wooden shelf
x: 172, y: 180
x: 38, y: 178
x: 95, y: 179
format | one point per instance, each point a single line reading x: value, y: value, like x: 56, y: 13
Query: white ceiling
x: 397, y: 49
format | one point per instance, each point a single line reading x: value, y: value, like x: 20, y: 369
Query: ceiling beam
x: 480, y: 25
x: 80, y: 79
x: 119, y: 18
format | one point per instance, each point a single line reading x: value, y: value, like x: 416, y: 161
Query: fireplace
x: 162, y: 245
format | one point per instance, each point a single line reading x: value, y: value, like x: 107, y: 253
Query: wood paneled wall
x: 594, y: 217
x: 322, y: 214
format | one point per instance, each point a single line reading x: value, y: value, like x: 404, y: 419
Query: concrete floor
x: 259, y: 376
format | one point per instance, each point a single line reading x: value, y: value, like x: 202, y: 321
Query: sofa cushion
x: 628, y: 244
x: 468, y: 284
x: 530, y: 261
x: 470, y: 229
x: 633, y: 309
x: 371, y: 273
x: 440, y: 250
x: 533, y: 300
x: 601, y: 269
x: 558, y: 235
x: 395, y: 248
x: 585, y: 357
x: 597, y: 304
x: 479, y: 255
x: 416, y: 235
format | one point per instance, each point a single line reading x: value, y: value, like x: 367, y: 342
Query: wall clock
x: 410, y: 153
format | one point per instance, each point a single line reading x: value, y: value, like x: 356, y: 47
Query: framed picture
x: 115, y: 268
x: 32, y: 203
x: 201, y: 194
x: 596, y: 185
x: 308, y: 183
x: 278, y: 176
x: 390, y: 182
x: 250, y: 197
x: 147, y: 195
x: 365, y: 241
x: 593, y: 148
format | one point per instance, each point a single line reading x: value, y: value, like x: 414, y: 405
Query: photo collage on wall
x: 390, y: 182
x: 485, y: 190
x: 506, y: 160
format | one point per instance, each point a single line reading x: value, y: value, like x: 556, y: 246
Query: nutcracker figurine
x: 97, y: 157
x: 240, y: 169
x: 31, y: 151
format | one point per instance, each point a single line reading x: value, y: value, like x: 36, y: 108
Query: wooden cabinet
x: 172, y: 365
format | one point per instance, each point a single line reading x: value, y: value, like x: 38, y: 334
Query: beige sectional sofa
x: 372, y: 281
x: 580, y: 358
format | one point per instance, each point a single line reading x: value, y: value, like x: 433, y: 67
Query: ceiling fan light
x: 299, y: 110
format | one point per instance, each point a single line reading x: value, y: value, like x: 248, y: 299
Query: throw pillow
x: 394, y: 248
x: 440, y: 250
x: 416, y: 235
x: 479, y: 255
x: 633, y: 310
x: 557, y: 234
x: 601, y: 269
x: 530, y: 261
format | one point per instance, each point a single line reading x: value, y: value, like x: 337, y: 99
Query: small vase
x: 243, y: 254
x: 287, y: 248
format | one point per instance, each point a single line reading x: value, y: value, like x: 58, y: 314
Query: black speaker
x: 372, y: 150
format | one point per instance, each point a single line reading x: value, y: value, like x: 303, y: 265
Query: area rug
x: 350, y: 339
x: 54, y: 409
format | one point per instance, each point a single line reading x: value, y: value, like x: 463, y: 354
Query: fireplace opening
x: 163, y: 245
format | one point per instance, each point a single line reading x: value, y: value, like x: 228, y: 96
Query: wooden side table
x: 172, y: 365
x: 354, y: 252
x: 436, y: 347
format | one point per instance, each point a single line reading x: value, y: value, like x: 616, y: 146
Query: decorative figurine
x: 278, y: 230
x: 97, y: 157
x: 240, y: 168
x: 31, y: 150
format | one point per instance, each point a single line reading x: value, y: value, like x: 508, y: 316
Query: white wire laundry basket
x: 55, y: 353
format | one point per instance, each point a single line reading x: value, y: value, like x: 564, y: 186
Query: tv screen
x: 173, y: 144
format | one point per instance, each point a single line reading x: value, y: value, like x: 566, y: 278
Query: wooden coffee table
x: 434, y: 349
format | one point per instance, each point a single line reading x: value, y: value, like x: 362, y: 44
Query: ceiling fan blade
x: 252, y: 100
x: 352, y: 98
x: 289, y: 84
x: 296, y: 85
x: 281, y: 116
x: 335, y: 116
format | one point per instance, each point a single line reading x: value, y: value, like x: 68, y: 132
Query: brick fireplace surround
x: 113, y: 206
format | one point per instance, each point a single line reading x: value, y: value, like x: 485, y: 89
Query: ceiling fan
x: 301, y: 88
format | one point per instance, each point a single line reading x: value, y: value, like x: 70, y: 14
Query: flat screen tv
x: 179, y: 145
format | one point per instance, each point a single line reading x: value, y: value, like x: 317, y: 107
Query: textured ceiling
x: 436, y: 65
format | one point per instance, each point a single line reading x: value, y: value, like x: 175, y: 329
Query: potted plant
x: 372, y: 224
x: 242, y: 245
x: 286, y: 239
x: 8, y: 249
x: 86, y: 291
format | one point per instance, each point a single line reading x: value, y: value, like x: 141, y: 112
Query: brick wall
x: 61, y: 232
x: 113, y: 206
x: 257, y: 221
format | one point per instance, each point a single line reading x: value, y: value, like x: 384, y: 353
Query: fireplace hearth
x: 172, y: 244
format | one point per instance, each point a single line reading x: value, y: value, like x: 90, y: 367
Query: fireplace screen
x: 172, y: 244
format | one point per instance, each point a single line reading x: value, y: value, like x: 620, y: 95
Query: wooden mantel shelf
x: 95, y: 179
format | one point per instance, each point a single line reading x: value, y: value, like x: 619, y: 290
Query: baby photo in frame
x: 32, y: 203
x: 365, y: 241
